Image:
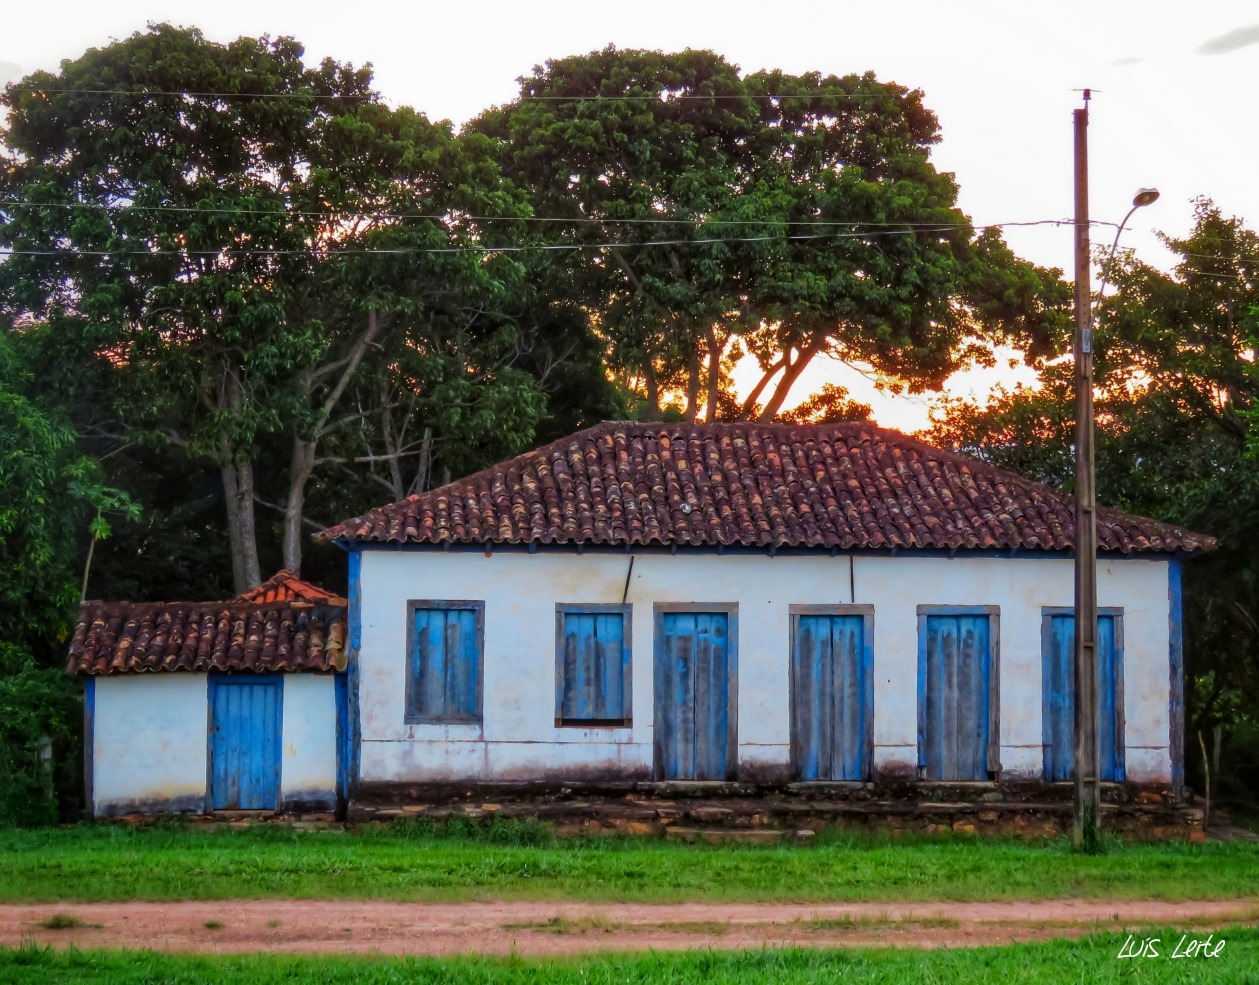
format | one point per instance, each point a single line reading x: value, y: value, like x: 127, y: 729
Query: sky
x: 1173, y: 87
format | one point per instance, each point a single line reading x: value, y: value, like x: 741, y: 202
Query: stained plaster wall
x: 150, y: 749
x: 518, y: 738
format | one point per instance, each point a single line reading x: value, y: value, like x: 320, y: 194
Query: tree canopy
x: 713, y: 214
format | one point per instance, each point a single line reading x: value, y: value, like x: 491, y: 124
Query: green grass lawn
x: 1089, y: 960
x: 106, y: 862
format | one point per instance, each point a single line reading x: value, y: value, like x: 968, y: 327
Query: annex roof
x: 846, y: 486
x: 273, y: 635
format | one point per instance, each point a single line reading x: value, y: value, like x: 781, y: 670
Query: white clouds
x: 1234, y: 40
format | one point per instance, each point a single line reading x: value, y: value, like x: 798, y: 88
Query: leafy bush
x: 37, y: 704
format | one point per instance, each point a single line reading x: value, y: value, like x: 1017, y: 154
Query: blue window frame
x: 958, y: 689
x: 592, y: 665
x: 1058, y: 693
x: 445, y: 642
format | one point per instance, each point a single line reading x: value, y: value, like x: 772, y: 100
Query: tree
x: 52, y: 500
x: 713, y: 215
x: 195, y: 209
x: 1176, y: 440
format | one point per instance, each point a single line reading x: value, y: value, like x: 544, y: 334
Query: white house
x: 193, y: 707
x: 771, y: 603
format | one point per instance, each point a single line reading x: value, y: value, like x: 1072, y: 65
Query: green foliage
x: 508, y: 861
x: 786, y: 216
x: 1175, y: 395
x: 40, y: 713
x: 52, y: 501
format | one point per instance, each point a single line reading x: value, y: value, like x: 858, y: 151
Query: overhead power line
x: 571, y: 220
x: 663, y: 96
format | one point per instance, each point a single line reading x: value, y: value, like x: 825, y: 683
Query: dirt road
x: 542, y: 928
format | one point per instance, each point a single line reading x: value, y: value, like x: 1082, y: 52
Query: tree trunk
x: 653, y: 388
x: 714, y: 375
x: 692, y: 384
x: 750, y: 403
x: 301, y: 465
x: 785, y: 384
x: 238, y: 495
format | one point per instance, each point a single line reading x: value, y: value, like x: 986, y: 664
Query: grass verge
x: 105, y: 862
x: 1091, y: 959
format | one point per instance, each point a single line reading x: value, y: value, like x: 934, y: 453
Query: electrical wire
x: 663, y: 96
x: 510, y: 248
x: 662, y: 220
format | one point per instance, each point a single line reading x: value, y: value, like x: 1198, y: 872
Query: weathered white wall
x: 149, y: 743
x: 518, y: 738
x: 308, y: 760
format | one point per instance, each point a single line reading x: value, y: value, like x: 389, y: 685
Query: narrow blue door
x: 692, y: 678
x: 1058, y: 695
x: 345, y: 735
x: 245, y: 735
x: 830, y: 697
x: 954, y: 675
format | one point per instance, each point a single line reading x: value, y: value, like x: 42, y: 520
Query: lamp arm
x: 1097, y: 302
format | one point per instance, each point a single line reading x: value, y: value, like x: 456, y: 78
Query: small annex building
x: 193, y: 707
x: 762, y: 602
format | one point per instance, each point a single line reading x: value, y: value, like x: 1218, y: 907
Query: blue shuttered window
x: 1058, y: 693
x: 445, y: 649
x: 957, y: 692
x: 592, y: 665
x: 832, y: 691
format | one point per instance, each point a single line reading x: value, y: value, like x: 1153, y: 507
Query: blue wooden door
x: 693, y: 679
x: 245, y: 736
x: 830, y: 697
x: 1058, y: 694
x: 954, y: 677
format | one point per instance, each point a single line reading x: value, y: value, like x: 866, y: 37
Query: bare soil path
x: 553, y: 928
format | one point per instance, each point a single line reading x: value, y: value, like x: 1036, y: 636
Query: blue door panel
x: 1058, y: 696
x: 955, y: 673
x: 692, y: 696
x: 830, y: 697
x: 245, y: 737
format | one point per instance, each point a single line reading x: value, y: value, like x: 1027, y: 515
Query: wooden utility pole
x: 1087, y: 764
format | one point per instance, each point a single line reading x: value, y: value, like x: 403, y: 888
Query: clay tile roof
x: 284, y: 586
x: 272, y: 636
x: 846, y: 486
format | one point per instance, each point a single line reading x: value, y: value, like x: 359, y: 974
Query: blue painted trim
x: 89, y: 744
x: 345, y: 751
x: 354, y: 683
x: 1176, y: 672
x: 922, y: 691
x: 534, y: 547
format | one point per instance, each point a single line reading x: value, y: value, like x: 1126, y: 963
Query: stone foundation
x: 1026, y: 809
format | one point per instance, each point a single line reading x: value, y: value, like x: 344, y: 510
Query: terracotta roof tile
x: 277, y: 634
x: 284, y: 586
x: 846, y: 486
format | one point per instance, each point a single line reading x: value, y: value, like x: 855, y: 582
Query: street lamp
x: 1087, y: 765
